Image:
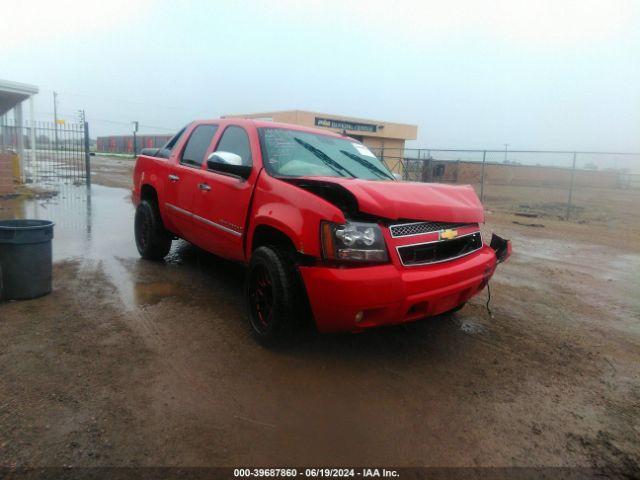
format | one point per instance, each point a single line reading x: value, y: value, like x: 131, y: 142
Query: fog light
x: 359, y: 316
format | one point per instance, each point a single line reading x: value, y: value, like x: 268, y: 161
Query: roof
x: 290, y: 126
x: 267, y: 124
x: 13, y: 93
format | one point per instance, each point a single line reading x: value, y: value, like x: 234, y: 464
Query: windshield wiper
x: 326, y: 159
x: 367, y: 164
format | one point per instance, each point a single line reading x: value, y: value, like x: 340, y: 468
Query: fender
x: 148, y: 171
x: 295, y: 212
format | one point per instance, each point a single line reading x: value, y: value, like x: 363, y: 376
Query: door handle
x: 204, y: 187
x: 173, y: 178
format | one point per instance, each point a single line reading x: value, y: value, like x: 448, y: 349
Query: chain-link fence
x: 580, y: 186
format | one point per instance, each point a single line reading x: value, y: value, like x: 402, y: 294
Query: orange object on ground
x: 7, y: 173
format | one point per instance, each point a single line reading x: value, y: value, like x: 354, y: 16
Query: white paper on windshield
x: 362, y: 150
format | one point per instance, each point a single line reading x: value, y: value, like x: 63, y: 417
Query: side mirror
x: 156, y: 152
x: 150, y: 152
x: 229, y: 163
x: 164, y: 153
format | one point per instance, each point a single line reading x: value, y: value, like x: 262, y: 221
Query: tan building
x: 385, y: 138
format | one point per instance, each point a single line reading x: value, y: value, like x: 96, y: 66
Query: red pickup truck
x: 327, y: 231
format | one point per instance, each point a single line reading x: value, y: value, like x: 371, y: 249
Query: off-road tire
x: 284, y: 323
x: 152, y: 240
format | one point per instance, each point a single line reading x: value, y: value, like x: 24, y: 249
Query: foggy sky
x: 544, y: 74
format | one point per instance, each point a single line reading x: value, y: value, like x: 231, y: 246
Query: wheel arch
x: 301, y: 318
x: 269, y: 235
x: 149, y: 192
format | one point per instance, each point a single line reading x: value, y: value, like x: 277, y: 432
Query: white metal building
x: 12, y: 97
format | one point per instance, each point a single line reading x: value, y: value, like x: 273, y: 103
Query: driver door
x: 222, y: 203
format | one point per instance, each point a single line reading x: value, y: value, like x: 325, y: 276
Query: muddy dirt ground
x: 131, y: 363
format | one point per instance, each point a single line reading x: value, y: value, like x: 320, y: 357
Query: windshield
x: 292, y: 153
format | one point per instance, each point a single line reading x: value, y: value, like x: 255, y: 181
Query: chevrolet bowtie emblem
x: 448, y: 234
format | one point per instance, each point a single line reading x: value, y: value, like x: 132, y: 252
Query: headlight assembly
x: 353, y: 241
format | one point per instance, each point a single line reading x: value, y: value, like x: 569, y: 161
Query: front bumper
x: 391, y: 294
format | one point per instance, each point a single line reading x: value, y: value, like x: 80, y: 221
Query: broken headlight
x: 353, y: 241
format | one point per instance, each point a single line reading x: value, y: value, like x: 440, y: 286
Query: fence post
x: 32, y: 137
x: 573, y: 171
x: 87, y: 156
x: 19, y: 133
x: 405, y: 171
x: 484, y: 159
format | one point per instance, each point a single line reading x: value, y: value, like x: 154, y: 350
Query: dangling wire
x: 489, y: 300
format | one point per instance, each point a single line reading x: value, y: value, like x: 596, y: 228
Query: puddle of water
x: 471, y: 327
x: 626, y: 268
x: 92, y: 225
x: 95, y: 227
x: 602, y: 277
x: 154, y: 292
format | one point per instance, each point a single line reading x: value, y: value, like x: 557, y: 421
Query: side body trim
x: 203, y: 220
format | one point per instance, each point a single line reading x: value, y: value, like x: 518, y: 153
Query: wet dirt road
x: 130, y: 362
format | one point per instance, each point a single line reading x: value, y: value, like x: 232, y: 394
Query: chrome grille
x: 439, y: 251
x: 419, y: 228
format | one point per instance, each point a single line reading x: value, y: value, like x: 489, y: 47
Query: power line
x: 116, y: 122
x: 45, y: 114
x: 132, y: 102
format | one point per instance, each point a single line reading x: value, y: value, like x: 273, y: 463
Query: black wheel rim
x: 143, y: 228
x: 261, y: 297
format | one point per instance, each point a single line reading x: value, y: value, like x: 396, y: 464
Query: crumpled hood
x: 412, y: 200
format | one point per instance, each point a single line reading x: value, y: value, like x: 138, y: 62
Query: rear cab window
x: 165, y: 151
x: 172, y: 143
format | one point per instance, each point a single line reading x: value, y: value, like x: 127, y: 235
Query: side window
x: 172, y: 143
x: 198, y: 144
x: 235, y: 140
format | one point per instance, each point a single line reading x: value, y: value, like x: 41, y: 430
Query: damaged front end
x: 424, y: 223
x: 501, y: 246
x: 401, y: 252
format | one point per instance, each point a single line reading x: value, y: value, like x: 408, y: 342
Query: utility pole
x: 506, y: 145
x: 135, y: 130
x: 55, y: 119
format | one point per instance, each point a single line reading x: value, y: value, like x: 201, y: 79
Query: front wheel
x: 274, y: 296
x: 152, y: 240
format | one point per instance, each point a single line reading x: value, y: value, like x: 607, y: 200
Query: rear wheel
x: 274, y: 296
x: 152, y: 240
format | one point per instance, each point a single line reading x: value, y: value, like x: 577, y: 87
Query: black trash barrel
x: 25, y: 258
